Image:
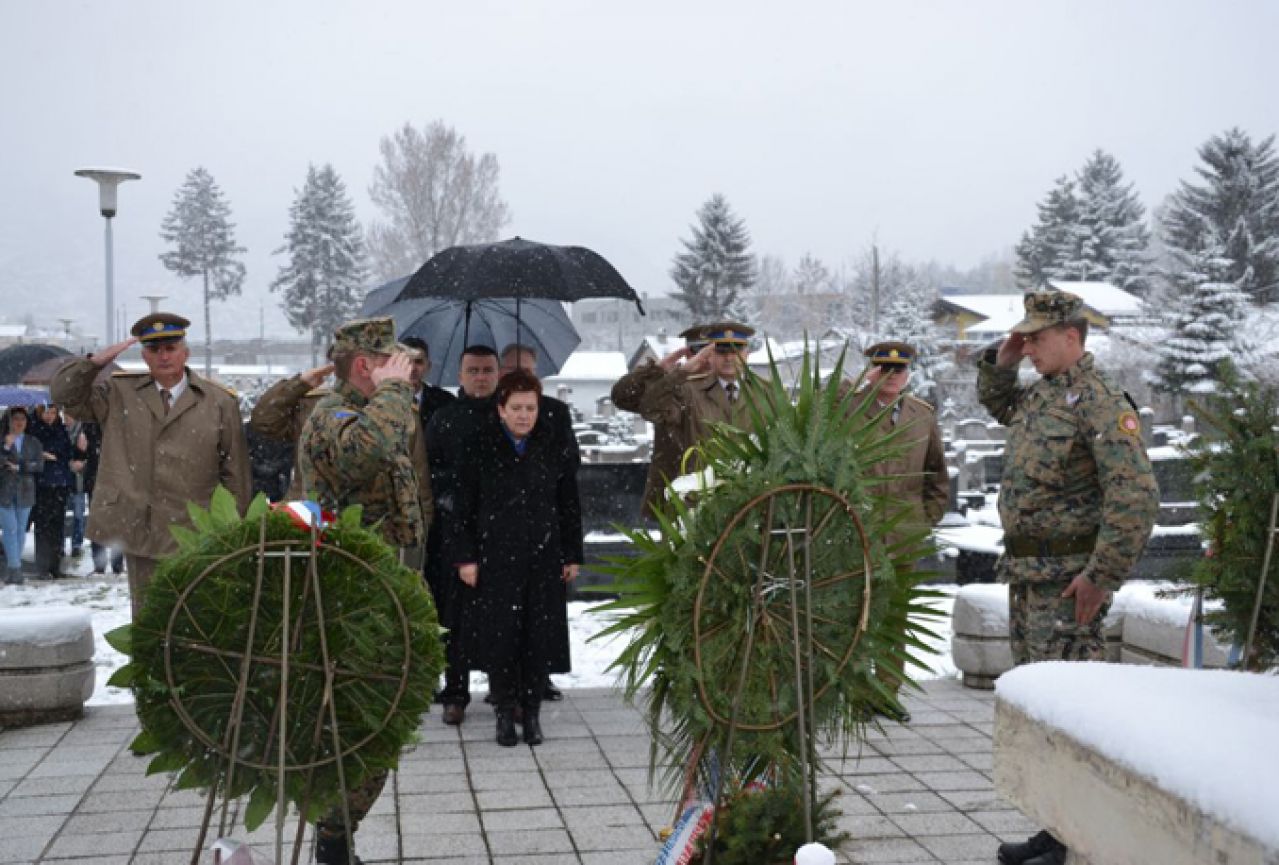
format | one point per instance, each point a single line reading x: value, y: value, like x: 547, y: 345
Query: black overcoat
x: 519, y: 518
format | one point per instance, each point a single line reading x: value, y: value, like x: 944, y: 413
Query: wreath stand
x: 769, y: 544
x: 291, y: 562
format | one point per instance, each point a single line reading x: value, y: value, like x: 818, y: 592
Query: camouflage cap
x: 370, y: 335
x: 1047, y: 309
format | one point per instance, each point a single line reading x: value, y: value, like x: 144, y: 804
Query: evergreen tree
x: 716, y: 266
x: 1236, y: 209
x: 1204, y: 327
x: 1047, y: 243
x: 909, y: 318
x: 199, y: 228
x: 1111, y: 238
x: 322, y: 283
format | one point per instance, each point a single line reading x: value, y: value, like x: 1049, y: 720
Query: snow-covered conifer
x: 200, y: 229
x: 716, y: 266
x: 322, y: 283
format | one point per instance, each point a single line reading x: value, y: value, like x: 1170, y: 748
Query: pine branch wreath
x: 189, y: 645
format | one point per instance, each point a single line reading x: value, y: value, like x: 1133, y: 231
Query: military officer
x: 916, y: 477
x: 705, y: 390
x: 169, y: 437
x: 355, y: 449
x: 1077, y: 500
x: 668, y: 449
x: 282, y: 409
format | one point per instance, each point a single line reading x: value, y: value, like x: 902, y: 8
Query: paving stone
x: 35, y: 806
x: 518, y: 819
x: 563, y: 778
x: 602, y: 815
x: 24, y: 850
x: 98, y: 844
x: 913, y: 802
x: 949, y: 848
x: 868, y: 826
x: 33, y: 827
x: 431, y: 783
x: 642, y: 856
x: 506, y: 780
x: 1004, y: 822
x: 613, y: 838
x: 531, y: 841
x: 885, y: 850
x: 182, y: 838
x: 965, y: 780
x: 527, y: 798
x: 569, y: 797
x: 936, y: 823
x: 917, y: 763
x: 974, y: 800
x: 438, y: 803
x: 111, y: 821
x: 440, y: 824
x: 77, y: 784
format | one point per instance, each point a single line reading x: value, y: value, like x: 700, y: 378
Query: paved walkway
x: 921, y: 793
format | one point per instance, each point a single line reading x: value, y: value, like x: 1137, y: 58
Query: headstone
x: 1159, y: 438
x: 1147, y: 416
x: 996, y: 432
x: 1188, y: 424
x: 972, y: 430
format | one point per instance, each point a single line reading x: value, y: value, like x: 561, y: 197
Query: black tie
x: 167, y: 398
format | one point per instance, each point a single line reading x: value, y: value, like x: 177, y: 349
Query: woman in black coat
x: 517, y: 542
x: 53, y: 486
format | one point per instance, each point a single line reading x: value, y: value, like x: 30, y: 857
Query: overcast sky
x: 935, y: 127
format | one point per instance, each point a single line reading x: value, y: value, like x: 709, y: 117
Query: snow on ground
x: 106, y: 598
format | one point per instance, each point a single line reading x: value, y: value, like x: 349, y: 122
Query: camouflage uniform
x: 355, y: 450
x: 668, y: 444
x: 1077, y: 496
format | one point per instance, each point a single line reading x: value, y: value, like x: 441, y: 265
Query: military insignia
x: 1072, y: 398
x: 1129, y: 425
x: 342, y: 414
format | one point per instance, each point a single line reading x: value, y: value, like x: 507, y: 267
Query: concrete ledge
x: 46, y: 665
x: 1105, y: 812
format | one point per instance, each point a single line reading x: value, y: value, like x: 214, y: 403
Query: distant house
x: 585, y: 378
x: 608, y: 324
x: 982, y: 317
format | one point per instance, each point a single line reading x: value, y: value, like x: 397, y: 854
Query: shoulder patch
x: 1129, y: 424
x: 345, y: 414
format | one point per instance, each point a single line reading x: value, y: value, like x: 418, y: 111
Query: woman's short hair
x: 17, y: 409
x: 517, y: 381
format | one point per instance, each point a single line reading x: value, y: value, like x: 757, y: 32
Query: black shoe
x: 532, y: 728
x: 506, y: 736
x: 454, y: 715
x: 550, y: 692
x: 333, y: 851
x: 490, y: 699
x: 1052, y: 857
x: 1020, y: 853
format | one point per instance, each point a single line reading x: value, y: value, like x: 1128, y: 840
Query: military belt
x: 1017, y: 547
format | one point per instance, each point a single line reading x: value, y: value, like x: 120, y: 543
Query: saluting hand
x: 702, y: 360
x: 111, y: 352
x: 672, y: 360
x: 570, y: 573
x: 315, y: 377
x: 1010, y: 351
x: 395, y: 369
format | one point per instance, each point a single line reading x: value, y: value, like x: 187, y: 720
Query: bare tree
x: 433, y: 194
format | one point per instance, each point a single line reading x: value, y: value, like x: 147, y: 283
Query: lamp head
x: 108, y: 179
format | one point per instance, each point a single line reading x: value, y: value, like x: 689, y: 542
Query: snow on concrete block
x: 46, y: 664
x: 1154, y: 630
x: 1131, y: 765
x: 980, y: 647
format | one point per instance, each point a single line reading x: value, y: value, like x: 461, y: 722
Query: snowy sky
x: 934, y: 126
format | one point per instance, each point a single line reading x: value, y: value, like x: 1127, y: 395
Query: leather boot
x: 506, y: 736
x: 1020, y: 853
x: 333, y: 851
x: 532, y: 727
x: 1052, y: 857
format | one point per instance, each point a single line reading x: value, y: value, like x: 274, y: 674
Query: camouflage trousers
x: 1041, y: 623
x: 359, y: 802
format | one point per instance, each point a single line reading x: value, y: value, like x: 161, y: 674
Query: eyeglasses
x: 728, y: 348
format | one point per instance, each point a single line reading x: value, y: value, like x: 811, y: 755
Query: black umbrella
x: 518, y: 268
x: 17, y: 359
x: 448, y: 325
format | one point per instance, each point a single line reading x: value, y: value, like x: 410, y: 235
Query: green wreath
x: 198, y: 637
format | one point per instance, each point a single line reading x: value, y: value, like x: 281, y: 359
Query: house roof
x: 987, y: 305
x: 592, y: 366
x: 1105, y: 298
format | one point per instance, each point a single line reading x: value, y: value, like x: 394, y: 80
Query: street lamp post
x: 108, y: 179
x: 154, y: 300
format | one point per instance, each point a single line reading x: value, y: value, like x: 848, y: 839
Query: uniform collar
x: 1072, y: 374
x: 348, y: 392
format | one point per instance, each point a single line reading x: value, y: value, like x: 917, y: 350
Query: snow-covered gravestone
x: 1132, y: 765
x: 46, y: 664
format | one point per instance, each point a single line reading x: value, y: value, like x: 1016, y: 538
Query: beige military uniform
x: 154, y: 463
x: 918, y: 476
x: 686, y: 406
x: 668, y: 445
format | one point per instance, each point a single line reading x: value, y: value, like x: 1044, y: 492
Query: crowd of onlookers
x: 50, y: 462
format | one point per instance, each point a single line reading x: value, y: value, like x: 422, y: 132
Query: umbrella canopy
x: 17, y: 359
x: 449, y: 325
x: 12, y: 394
x: 42, y: 373
x: 518, y: 268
